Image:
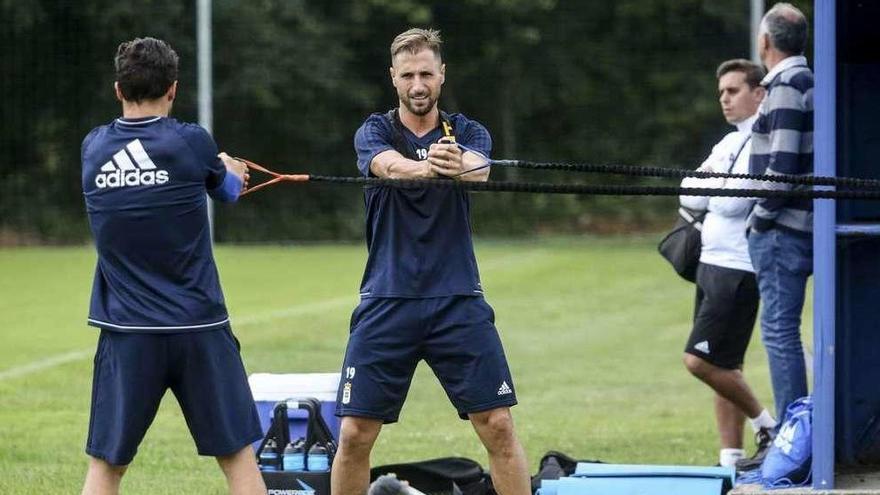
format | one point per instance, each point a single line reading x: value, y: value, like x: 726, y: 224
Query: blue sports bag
x: 789, y: 460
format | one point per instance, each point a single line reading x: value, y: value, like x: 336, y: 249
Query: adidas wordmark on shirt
x: 125, y: 171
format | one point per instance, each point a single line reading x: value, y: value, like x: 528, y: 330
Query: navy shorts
x: 455, y: 335
x: 202, y: 369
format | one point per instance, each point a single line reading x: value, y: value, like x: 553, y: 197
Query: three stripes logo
x: 130, y: 166
x: 504, y: 389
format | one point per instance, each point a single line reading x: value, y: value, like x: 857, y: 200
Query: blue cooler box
x: 271, y: 388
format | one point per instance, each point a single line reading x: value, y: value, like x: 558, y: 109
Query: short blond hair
x: 415, y: 40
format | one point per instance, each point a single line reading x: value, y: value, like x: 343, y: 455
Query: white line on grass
x: 298, y: 310
x: 42, y: 364
x: 71, y: 356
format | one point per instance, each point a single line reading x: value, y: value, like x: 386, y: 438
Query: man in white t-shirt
x: 727, y: 292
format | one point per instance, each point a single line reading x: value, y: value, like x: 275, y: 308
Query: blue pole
x: 824, y: 245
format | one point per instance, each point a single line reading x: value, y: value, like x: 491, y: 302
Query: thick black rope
x: 602, y: 190
x: 642, y: 171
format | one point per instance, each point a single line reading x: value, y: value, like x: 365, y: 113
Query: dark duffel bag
x: 444, y: 476
x: 681, y: 247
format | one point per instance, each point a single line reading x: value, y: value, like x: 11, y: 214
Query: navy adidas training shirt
x: 144, y: 182
x: 418, y: 240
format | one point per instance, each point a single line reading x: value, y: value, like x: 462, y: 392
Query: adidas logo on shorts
x: 702, y: 346
x: 504, y: 389
x: 125, y: 171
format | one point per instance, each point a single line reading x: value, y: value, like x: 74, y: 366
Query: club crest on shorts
x: 346, y: 393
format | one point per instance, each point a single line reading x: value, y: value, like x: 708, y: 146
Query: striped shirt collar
x: 784, y: 64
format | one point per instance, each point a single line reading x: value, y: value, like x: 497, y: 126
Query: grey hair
x: 787, y: 28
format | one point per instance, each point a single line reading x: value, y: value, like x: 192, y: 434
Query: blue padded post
x: 824, y: 245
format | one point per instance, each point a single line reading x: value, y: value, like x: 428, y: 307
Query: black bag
x: 555, y: 465
x: 444, y: 476
x: 681, y: 247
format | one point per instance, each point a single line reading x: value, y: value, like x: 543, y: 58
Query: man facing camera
x: 421, y: 297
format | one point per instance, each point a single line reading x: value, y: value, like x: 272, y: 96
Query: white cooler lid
x: 280, y: 386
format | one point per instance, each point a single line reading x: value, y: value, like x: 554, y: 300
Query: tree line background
x: 626, y: 81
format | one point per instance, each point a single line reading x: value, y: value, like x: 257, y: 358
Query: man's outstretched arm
x: 390, y: 164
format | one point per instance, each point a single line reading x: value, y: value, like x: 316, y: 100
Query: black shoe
x: 763, y: 438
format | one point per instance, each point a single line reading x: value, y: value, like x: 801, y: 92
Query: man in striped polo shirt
x: 780, y: 237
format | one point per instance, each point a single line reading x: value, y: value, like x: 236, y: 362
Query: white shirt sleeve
x: 711, y: 163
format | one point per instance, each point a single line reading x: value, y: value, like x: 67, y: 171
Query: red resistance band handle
x: 276, y: 176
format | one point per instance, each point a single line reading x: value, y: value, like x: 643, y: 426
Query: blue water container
x: 295, y: 456
x: 318, y: 460
x: 269, y: 457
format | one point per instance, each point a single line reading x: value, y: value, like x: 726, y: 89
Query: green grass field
x: 593, y: 328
